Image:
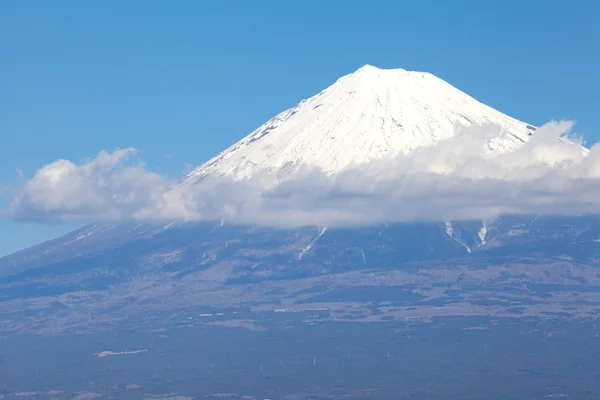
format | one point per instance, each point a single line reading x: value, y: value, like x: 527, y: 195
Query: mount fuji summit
x: 364, y: 116
x: 107, y: 275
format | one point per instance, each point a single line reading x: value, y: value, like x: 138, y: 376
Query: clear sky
x: 181, y: 81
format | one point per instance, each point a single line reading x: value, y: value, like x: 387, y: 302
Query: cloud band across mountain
x: 450, y: 180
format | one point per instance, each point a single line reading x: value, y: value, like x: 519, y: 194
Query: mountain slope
x: 364, y: 116
x: 174, y: 274
x: 100, y: 276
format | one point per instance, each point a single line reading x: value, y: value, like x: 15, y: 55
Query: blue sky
x: 181, y: 81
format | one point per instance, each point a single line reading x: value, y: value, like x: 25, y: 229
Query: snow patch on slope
x: 312, y: 243
x: 450, y: 232
x: 482, y: 233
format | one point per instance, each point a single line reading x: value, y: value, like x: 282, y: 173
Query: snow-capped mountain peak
x: 364, y: 116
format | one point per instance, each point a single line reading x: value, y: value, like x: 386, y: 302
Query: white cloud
x: 455, y: 179
x: 103, y: 188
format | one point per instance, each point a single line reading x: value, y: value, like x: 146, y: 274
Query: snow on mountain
x: 364, y: 116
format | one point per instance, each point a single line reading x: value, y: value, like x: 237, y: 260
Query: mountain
x: 215, y: 310
x: 364, y: 116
